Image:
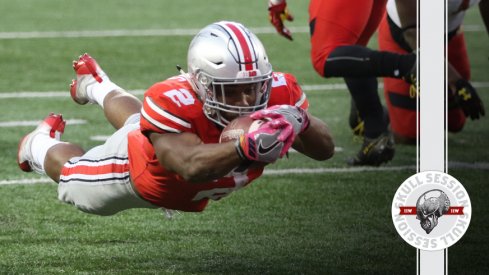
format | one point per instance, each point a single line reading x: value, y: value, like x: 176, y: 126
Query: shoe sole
x: 24, y: 166
x: 73, y: 89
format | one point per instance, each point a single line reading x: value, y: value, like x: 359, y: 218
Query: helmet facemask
x: 224, y: 98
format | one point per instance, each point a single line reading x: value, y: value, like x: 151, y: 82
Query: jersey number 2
x: 180, y: 96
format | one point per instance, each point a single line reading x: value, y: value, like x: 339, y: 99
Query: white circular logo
x: 431, y: 210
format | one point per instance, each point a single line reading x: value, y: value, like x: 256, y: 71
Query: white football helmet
x: 226, y: 53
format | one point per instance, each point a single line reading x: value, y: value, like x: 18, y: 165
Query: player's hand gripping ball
x: 260, y: 139
x: 238, y: 127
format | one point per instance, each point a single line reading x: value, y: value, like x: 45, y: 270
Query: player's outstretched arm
x: 186, y: 155
x: 316, y: 141
x: 313, y: 138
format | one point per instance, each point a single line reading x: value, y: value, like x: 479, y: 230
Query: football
x: 237, y: 127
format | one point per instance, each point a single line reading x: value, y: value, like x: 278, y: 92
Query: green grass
x: 271, y: 227
x: 327, y: 223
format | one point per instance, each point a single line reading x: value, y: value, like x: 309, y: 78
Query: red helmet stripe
x: 244, y: 45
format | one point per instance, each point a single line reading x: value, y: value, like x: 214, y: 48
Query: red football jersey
x: 172, y: 106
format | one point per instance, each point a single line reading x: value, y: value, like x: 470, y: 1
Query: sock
x: 359, y: 61
x: 40, y: 145
x: 99, y: 91
x: 363, y: 91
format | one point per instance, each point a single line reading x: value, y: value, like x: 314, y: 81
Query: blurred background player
x: 165, y: 152
x: 340, y: 31
x: 397, y: 33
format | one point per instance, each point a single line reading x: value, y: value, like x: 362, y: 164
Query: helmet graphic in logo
x: 430, y: 206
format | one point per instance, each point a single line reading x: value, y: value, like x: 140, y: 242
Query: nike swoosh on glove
x: 268, y: 143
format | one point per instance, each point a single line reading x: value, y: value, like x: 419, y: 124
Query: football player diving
x: 165, y: 152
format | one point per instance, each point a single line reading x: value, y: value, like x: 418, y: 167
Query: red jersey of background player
x: 172, y: 106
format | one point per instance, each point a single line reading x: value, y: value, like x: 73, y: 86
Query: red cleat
x: 88, y: 72
x: 53, y: 126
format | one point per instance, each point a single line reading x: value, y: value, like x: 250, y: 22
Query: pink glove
x: 278, y: 12
x: 268, y: 143
x: 298, y: 118
x: 287, y: 135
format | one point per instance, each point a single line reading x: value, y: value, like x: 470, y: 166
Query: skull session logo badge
x: 431, y: 210
x: 428, y: 210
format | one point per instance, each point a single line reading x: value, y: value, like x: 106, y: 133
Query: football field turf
x: 302, y: 216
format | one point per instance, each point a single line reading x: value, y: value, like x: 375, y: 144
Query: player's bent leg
x: 119, y: 105
x: 375, y: 17
x: 338, y: 54
x: 42, y: 151
x: 92, y: 85
x: 360, y: 61
x: 99, y: 182
x: 367, y: 102
x: 57, y: 156
x: 105, y: 198
x: 400, y: 96
x: 401, y: 104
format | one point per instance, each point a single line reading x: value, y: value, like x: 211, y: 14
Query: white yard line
x: 36, y: 122
x: 65, y: 94
x: 47, y: 94
x: 127, y: 33
x: 280, y: 172
x: 153, y: 32
x: 99, y: 138
x: 25, y: 181
x: 451, y: 165
x: 336, y: 170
